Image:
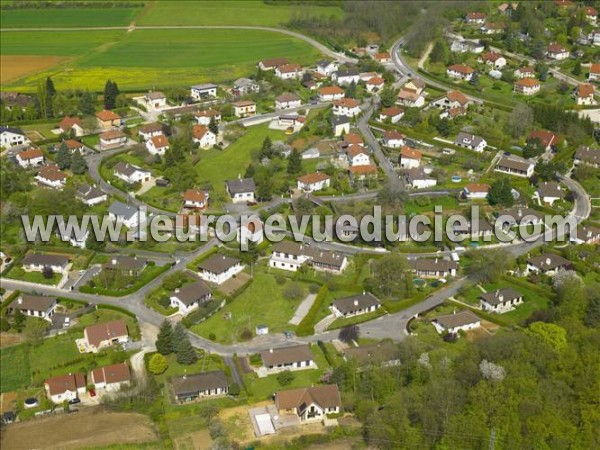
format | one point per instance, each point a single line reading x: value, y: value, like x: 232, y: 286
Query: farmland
x: 67, y: 17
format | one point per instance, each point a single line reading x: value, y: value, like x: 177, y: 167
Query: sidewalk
x: 303, y: 309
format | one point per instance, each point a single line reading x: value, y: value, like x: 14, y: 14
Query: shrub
x: 164, y: 301
x: 246, y: 335
x: 280, y: 279
x: 293, y: 292
x: 212, y: 337
x: 234, y: 389
x: 285, y: 378
x: 314, y: 288
x: 158, y: 364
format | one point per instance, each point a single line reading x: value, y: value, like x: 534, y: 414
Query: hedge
x: 140, y: 282
x: 9, y: 300
x: 307, y: 326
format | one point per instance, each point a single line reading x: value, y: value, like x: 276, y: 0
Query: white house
x: 393, y: 114
x: 584, y: 94
x: 549, y: 192
x: 331, y: 93
x: 348, y: 107
x: 202, y: 136
x: 476, y: 18
x: 460, y: 71
x: 188, y: 388
x: 357, y: 155
x: 219, y: 268
x: 289, y: 71
x: 251, y: 231
x: 410, y: 158
x: 10, y: 137
x: 30, y: 158
x: 548, y: 264
x: 65, y: 387
x: 312, y: 182
x: 245, y: 108
x: 375, y: 84
x: 594, y: 73
x: 157, y: 145
x: 527, y: 86
x: 476, y: 191
x: 471, y: 142
x: 34, y: 306
x: 464, y: 46
x: 128, y: 215
x: 355, y: 305
x: 417, y: 178
x: 591, y: 14
x: 290, y: 256
x: 131, y: 174
x: 297, y: 357
x: 205, y: 116
x: 51, y: 176
x: 288, y: 100
x: 494, y: 59
x: 37, y: 262
x: 344, y: 77
x: 393, y: 139
x: 243, y: 86
x: 190, y: 296
x: 103, y: 335
x: 71, y: 123
x: 195, y: 199
x: 203, y: 91
x: 91, y: 195
x: 309, y: 404
x: 463, y: 320
x: 452, y: 99
x: 112, y: 139
x: 515, y: 165
x: 110, y: 378
x: 272, y: 64
x: 587, y: 155
x: 241, y: 190
x: 150, y: 130
x: 155, y: 100
x: 586, y: 235
x: 326, y: 68
x: 500, y: 300
x: 525, y: 72
x: 557, y: 51
x: 410, y: 98
x: 340, y: 125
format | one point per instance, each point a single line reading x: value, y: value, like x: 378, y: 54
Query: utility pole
x: 493, y: 439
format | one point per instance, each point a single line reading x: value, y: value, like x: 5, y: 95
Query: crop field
x: 14, y: 67
x: 67, y: 17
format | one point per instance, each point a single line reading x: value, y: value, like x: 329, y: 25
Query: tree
x: 520, y: 120
x: 4, y: 324
x: 158, y: 364
x: 553, y: 335
x: 267, y: 148
x: 164, y: 340
x: 213, y: 127
x: 542, y: 71
x: 50, y: 93
x: 489, y: 266
x: 186, y: 353
x: 35, y: 329
x: 92, y: 243
x: 63, y: 157
x: 577, y: 68
x: 500, y: 193
x: 294, y: 163
x: 474, y: 79
x: 234, y: 389
x: 388, y: 96
x: 86, y: 103
x: 351, y: 90
x: 111, y: 92
x: 439, y: 52
x: 389, y: 274
x: 533, y: 148
x: 285, y: 378
x: 78, y: 164
x: 47, y: 272
x: 349, y: 333
x: 293, y: 292
x: 178, y: 336
x: 19, y: 320
x: 443, y: 127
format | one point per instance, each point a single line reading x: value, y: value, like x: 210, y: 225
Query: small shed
x: 262, y: 330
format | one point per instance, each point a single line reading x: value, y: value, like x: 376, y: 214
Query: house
x: 393, y: 139
x: 586, y: 235
x: 549, y: 192
x: 245, y: 108
x: 594, y: 74
x: 30, y: 158
x: 355, y: 305
x: 382, y: 57
x: 331, y: 93
x: 37, y: 262
x: 291, y: 120
x: 188, y: 388
x: 64, y: 388
x: 433, y: 268
x: 515, y: 165
x: 500, y: 300
x: 474, y: 229
x: 353, y: 139
x: 494, y: 59
x: 11, y: 137
x: 272, y: 64
x: 357, y: 155
x: 453, y: 113
x: 101, y: 335
x: 72, y: 145
x: 190, y: 297
x: 252, y: 231
x: 409, y: 158
x: 547, y: 139
x: 288, y: 100
x: 128, y: 215
x: 195, y: 199
x: 326, y: 67
x: 410, y: 98
x: 125, y: 265
x: 297, y: 357
x: 219, y: 268
x: 51, y: 176
x: 476, y: 191
x: 453, y: 99
x: 157, y: 145
x: 493, y: 27
x: 71, y: 123
x: 527, y: 86
x: 309, y: 404
x: 587, y: 155
x: 203, y: 91
x: 591, y: 14
x: 131, y: 174
x: 375, y: 84
x: 340, y: 125
x: 241, y: 190
x: 202, y: 136
x: 111, y: 378
x: 108, y: 119
x: 557, y: 51
x: 112, y: 139
x: 393, y: 114
x: 382, y: 354
x: 548, y: 264
x: 460, y: 71
x: 34, y: 306
x: 464, y: 46
x: 150, y: 130
x: 312, y: 182
x: 471, y: 142
x: 521, y: 216
x: 346, y: 107
x: 463, y: 320
x: 525, y: 72
x: 344, y: 77
x: 74, y: 238
x: 363, y: 171
x: 12, y: 99
x: 244, y: 86
x: 290, y: 256
x: 417, y: 178
x: 155, y: 100
x: 205, y: 116
x: 91, y: 195
x: 476, y: 18
x: 289, y: 71
x: 584, y: 94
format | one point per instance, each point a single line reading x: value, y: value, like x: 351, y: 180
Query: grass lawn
x: 16, y: 368
x: 33, y: 277
x: 67, y: 17
x: 342, y: 322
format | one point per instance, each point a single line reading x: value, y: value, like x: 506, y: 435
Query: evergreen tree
x: 439, y: 52
x: 111, y: 91
x: 250, y: 170
x: 92, y: 243
x: 267, y: 148
x: 164, y: 340
x: 63, y: 157
x: 388, y: 96
x: 500, y: 193
x: 294, y: 163
x: 213, y: 127
x: 78, y: 164
x: 351, y: 90
x: 50, y: 93
x: 186, y: 354
x: 179, y: 335
x: 577, y: 68
x: 86, y: 103
x: 19, y: 319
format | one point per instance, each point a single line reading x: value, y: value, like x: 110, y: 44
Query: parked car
x: 74, y: 401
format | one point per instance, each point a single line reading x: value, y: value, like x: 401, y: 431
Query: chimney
x: 520, y: 212
x: 114, y: 261
x: 355, y: 302
x: 501, y: 298
x: 271, y: 350
x: 548, y: 261
x: 454, y: 311
x: 20, y: 301
x: 177, y: 290
x: 589, y: 233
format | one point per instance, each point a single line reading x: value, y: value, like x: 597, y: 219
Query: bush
x: 234, y: 389
x: 314, y: 288
x: 246, y: 335
x: 212, y: 337
x: 164, y: 301
x: 293, y: 292
x: 285, y: 378
x: 158, y: 364
x: 4, y: 325
x: 280, y: 279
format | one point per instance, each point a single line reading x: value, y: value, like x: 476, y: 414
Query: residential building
x: 111, y: 378
x: 288, y: 100
x: 584, y: 94
x: 72, y: 145
x: 289, y: 71
x: 547, y: 139
x: 476, y: 191
x: 453, y: 113
x: 417, y: 178
x: 102, y: 335
x: 548, y: 264
x: 357, y: 155
x: 155, y: 100
x: 557, y: 51
x: 353, y: 139
x: 272, y: 64
x: 219, y: 268
x: 393, y: 139
x: 594, y: 73
x: 11, y: 137
x: 244, y: 86
x: 190, y: 297
x: 71, y: 123
x: 30, y: 158
x: 205, y: 116
x: 494, y: 59
x: 587, y: 155
x: 433, y: 267
x: 363, y: 172
x: 409, y: 158
x: 515, y: 165
x: 331, y: 93
x: 375, y: 84
x: 344, y: 77
x: 355, y: 305
x: 591, y: 14
x: 251, y: 231
x: 150, y: 130
x: 471, y: 142
x: 112, y: 139
x: 241, y: 190
x: 410, y: 98
x: 312, y: 182
x: 585, y: 235
x: 309, y: 404
x: 517, y: 217
x: 157, y: 145
x: 549, y: 192
x: 525, y: 72
x: 130, y: 266
x: 326, y: 67
x: 37, y: 262
x: 203, y: 91
x: 245, y: 108
x: 192, y: 387
x: 34, y: 306
x: 460, y: 71
x: 382, y: 57
x: 500, y: 300
x: 463, y: 320
x: 91, y: 195
x: 108, y: 119
x: 453, y: 99
x: 131, y: 174
x: 290, y: 256
x: 202, y: 136
x: 476, y: 18
x: 128, y: 215
x: 464, y: 46
x: 346, y: 107
x: 393, y: 114
x: 65, y: 387
x: 195, y: 199
x: 473, y: 229
x: 527, y: 86
x: 493, y: 27
x: 297, y: 357
x: 51, y: 176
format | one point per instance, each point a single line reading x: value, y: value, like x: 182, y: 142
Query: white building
x: 30, y: 158
x: 476, y: 191
x: 131, y: 174
x: 241, y: 190
x: 557, y: 52
x: 203, y: 91
x: 34, y: 306
x: 393, y: 114
x: 289, y: 71
x: 326, y: 68
x: 471, y: 142
x: 111, y: 378
x: 244, y: 108
x: 91, y: 195
x: 463, y: 320
x: 202, y: 136
x: 348, y: 107
x: 65, y: 387
x: 410, y: 158
x: 10, y: 137
x: 157, y: 145
x: 112, y: 139
x: 155, y: 100
x: 393, y: 139
x: 460, y: 71
x: 190, y: 297
x: 297, y: 357
x: 312, y: 182
x: 219, y: 268
x: 288, y: 100
x: 331, y: 93
x: 355, y: 305
x: 500, y: 300
x: 128, y: 215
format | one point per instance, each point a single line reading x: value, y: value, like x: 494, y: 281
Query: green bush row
x: 307, y: 326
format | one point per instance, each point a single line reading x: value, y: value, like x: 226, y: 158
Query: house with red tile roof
x: 30, y: 158
x: 108, y: 119
x: 393, y: 114
x: 195, y: 199
x: 460, y: 71
x: 348, y: 107
x: 157, y: 145
x: 557, y: 51
x: 584, y: 94
x: 313, y: 182
x: 409, y: 158
x: 71, y: 123
x: 476, y: 18
x: 111, y: 378
x: 527, y: 86
x: 65, y: 387
x: 202, y: 136
x: 331, y: 93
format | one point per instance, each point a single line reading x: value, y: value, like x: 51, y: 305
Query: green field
x: 67, y: 17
